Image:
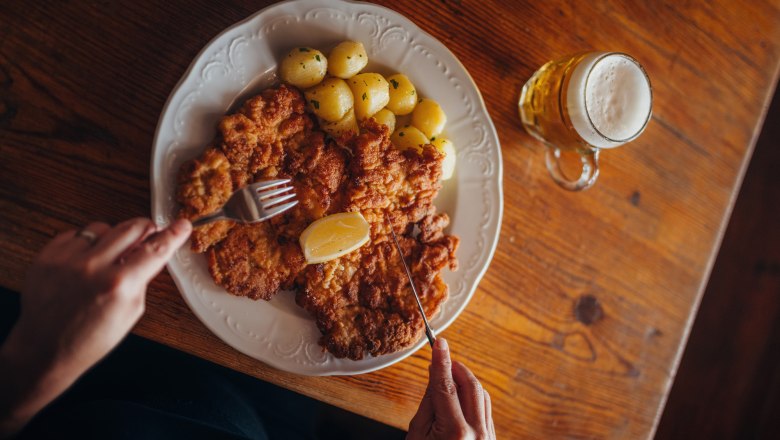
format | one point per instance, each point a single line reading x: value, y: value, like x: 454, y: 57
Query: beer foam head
x: 609, y: 99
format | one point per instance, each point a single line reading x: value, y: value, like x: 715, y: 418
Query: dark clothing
x: 146, y: 391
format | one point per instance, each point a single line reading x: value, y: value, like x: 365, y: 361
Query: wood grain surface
x: 578, y: 325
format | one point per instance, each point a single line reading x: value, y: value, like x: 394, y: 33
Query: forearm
x: 29, y: 380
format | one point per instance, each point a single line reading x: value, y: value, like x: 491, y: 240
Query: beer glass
x: 585, y: 103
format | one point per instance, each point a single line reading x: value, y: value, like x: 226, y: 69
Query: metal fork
x: 254, y: 203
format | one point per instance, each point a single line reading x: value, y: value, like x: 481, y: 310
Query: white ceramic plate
x: 242, y: 60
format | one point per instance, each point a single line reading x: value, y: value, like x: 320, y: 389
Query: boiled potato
x: 429, y: 117
x: 341, y: 127
x: 448, y: 164
x: 347, y: 59
x: 371, y: 92
x: 385, y: 117
x: 403, y: 96
x: 330, y: 99
x: 409, y: 137
x: 303, y: 67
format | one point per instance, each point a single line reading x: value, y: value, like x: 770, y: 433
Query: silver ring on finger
x: 90, y: 236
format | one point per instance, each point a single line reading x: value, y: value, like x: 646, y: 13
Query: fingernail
x: 441, y: 344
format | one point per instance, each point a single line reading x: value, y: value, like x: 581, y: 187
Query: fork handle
x: 206, y: 219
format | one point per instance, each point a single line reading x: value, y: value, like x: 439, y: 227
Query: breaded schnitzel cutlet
x: 270, y: 136
x: 362, y: 301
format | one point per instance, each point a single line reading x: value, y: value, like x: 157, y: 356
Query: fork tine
x: 259, y: 186
x: 265, y: 203
x: 277, y: 210
x: 273, y: 192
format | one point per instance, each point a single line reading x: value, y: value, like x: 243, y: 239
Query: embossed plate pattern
x: 241, y: 61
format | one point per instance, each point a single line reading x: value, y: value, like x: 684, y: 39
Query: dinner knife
x: 428, y: 330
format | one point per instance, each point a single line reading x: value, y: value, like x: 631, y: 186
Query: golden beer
x: 541, y: 109
x: 584, y: 103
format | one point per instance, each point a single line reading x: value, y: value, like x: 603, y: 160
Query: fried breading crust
x: 362, y: 302
x: 204, y: 186
x: 270, y: 136
x: 252, y: 262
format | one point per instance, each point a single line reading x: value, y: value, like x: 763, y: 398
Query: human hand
x: 455, y: 405
x: 83, y: 294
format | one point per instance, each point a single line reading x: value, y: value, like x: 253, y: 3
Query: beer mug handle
x: 590, y: 168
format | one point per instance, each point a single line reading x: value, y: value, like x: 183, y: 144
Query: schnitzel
x: 362, y: 302
x: 270, y: 136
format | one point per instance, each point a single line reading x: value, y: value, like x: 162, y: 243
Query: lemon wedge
x: 448, y: 164
x: 333, y: 236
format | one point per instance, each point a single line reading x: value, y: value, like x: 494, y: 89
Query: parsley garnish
x: 304, y: 49
x: 433, y: 138
x: 316, y: 104
x: 401, y: 134
x: 394, y: 83
x: 412, y: 92
x: 364, y: 96
x: 318, y: 57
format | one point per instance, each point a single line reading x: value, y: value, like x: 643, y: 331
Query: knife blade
x: 428, y: 330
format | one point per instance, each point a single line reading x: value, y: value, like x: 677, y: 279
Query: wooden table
x: 580, y: 322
